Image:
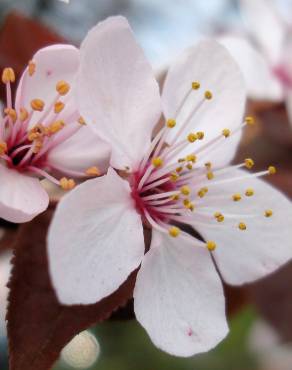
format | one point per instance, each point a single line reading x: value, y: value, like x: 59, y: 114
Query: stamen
x: 268, y: 213
x: 226, y: 132
x: 170, y: 123
x: 67, y: 184
x: 81, y: 121
x: 211, y: 246
x: 37, y: 105
x: 236, y: 197
x: 272, y: 170
x: 242, y: 226
x: 157, y: 162
x: 8, y: 75
x: 185, y: 190
x: 62, y: 87
x: 196, y: 85
x: 31, y: 68
x: 249, y: 163
x: 174, y: 231
x: 59, y: 106
x: 219, y: 217
x: 3, y: 147
x: 202, y: 192
x: 93, y: 171
x: 249, y: 120
x: 249, y: 192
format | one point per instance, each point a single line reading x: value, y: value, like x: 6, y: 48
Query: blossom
x: 43, y: 135
x: 163, y: 180
x: 265, y: 55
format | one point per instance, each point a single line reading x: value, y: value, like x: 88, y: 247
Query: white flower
x: 182, y: 176
x: 265, y: 56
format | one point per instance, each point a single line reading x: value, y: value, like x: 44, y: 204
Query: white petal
x: 95, y: 240
x: 210, y: 64
x: 260, y: 81
x: 81, y: 151
x: 21, y: 197
x: 244, y: 256
x: 117, y: 93
x: 179, y: 297
x: 52, y: 64
x: 265, y: 26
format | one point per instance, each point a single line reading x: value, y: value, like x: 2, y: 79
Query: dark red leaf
x: 38, y: 326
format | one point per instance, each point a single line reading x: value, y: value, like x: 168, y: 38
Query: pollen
x: 8, y: 75
x: 62, y: 87
x: 249, y: 120
x: 189, y: 166
x: 242, y: 226
x: 200, y: 135
x: 192, y: 137
x: 268, y: 213
x: 181, y: 160
x: 38, y: 144
x: 3, y: 147
x: 67, y: 184
x: 179, y: 169
x: 210, y: 175
x: 211, y: 246
x: 31, y: 67
x: 185, y: 190
x: 272, y: 170
x: 219, y: 217
x: 59, y: 106
x: 81, y: 121
x: 226, y: 132
x: 186, y: 203
x: 37, y: 105
x: 157, y: 162
x: 93, y: 171
x: 208, y: 95
x: 55, y: 127
x: 249, y: 163
x: 174, y: 231
x: 23, y: 114
x: 174, y: 197
x: 202, y: 192
x: 191, y: 158
x: 174, y: 176
x: 196, y: 85
x: 249, y: 192
x: 208, y: 165
x: 11, y: 113
x: 236, y: 197
x: 170, y: 123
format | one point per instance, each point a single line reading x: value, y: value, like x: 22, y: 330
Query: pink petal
x: 260, y: 80
x: 179, y: 297
x: 52, y: 64
x: 211, y: 65
x: 21, y: 197
x: 95, y: 240
x: 244, y: 256
x: 289, y: 104
x: 265, y: 27
x: 117, y: 92
x: 81, y: 151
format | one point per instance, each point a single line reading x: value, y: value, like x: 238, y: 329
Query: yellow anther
x: 93, y: 171
x: 157, y: 162
x: 170, y: 123
x: 59, y: 106
x: 192, y: 137
x: 268, y: 213
x: 55, y: 127
x: 185, y: 190
x: 36, y: 132
x: 208, y: 165
x: 242, y: 226
x: 174, y: 231
x: 3, y: 147
x: 236, y: 197
x: 23, y: 114
x: 211, y: 246
x: 31, y: 67
x: 200, y: 135
x: 208, y: 95
x: 186, y: 203
x: 249, y: 120
x: 272, y: 170
x: 81, y: 121
x: 8, y: 75
x: 249, y: 192
x: 210, y: 175
x: 37, y: 105
x: 191, y: 158
x: 196, y: 85
x: 181, y: 160
x: 11, y: 113
x: 226, y: 132
x: 249, y: 163
x: 189, y: 166
x: 202, y: 192
x: 38, y: 144
x: 191, y: 207
x: 174, y: 176
x: 174, y: 197
x: 219, y: 217
x: 62, y: 87
x: 179, y: 169
x: 67, y: 184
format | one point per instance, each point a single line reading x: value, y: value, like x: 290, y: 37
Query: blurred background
x: 260, y: 319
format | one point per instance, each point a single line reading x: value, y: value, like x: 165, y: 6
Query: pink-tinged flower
x: 180, y: 177
x: 43, y: 135
x: 265, y: 56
